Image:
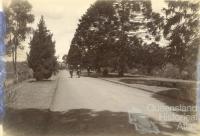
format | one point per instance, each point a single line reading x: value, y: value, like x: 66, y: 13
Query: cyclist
x: 71, y: 71
x: 78, y: 71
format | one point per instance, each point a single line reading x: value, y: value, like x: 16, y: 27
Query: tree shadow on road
x: 84, y: 122
x: 168, y: 99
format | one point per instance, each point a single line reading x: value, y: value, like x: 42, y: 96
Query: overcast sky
x: 62, y: 18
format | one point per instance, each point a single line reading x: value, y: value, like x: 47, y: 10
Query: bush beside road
x: 24, y: 73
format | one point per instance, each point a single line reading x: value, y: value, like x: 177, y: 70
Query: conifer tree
x: 42, y: 59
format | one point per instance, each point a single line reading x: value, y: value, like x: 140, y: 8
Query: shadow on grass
x: 82, y: 122
x: 168, y: 98
x: 35, y: 81
x: 169, y: 84
x: 178, y: 93
x: 110, y: 75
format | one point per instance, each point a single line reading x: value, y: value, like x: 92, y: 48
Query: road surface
x: 91, y: 107
x: 98, y: 95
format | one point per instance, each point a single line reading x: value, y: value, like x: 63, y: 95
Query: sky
x: 1, y: 4
x: 62, y: 17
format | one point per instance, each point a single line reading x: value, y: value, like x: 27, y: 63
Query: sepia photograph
x: 99, y: 68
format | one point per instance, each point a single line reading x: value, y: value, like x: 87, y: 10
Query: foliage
x: 182, y: 30
x: 41, y: 58
x: 103, y: 37
x: 126, y: 34
x: 18, y: 18
x: 152, y: 56
x: 64, y: 58
x: 92, y: 40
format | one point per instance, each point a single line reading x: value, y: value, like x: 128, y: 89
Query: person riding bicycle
x: 71, y: 70
x: 78, y: 71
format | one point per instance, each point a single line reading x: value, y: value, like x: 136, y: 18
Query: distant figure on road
x: 71, y: 70
x: 78, y: 71
x: 88, y: 71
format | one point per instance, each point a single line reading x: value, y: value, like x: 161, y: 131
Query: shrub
x: 105, y: 72
x: 171, y: 71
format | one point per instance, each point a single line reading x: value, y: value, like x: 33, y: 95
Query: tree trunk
x: 149, y: 69
x: 88, y: 71
x: 123, y: 44
x: 15, y: 61
x: 105, y: 72
x: 98, y: 69
x: 121, y: 71
x: 181, y: 68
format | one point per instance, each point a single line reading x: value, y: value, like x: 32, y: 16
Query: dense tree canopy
x: 182, y: 30
x: 93, y: 37
x: 127, y: 34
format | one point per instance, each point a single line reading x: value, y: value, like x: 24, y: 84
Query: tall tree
x: 122, y: 13
x: 182, y: 30
x: 112, y: 33
x: 137, y: 25
x: 19, y: 17
x: 74, y: 56
x: 93, y: 36
x: 42, y: 59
